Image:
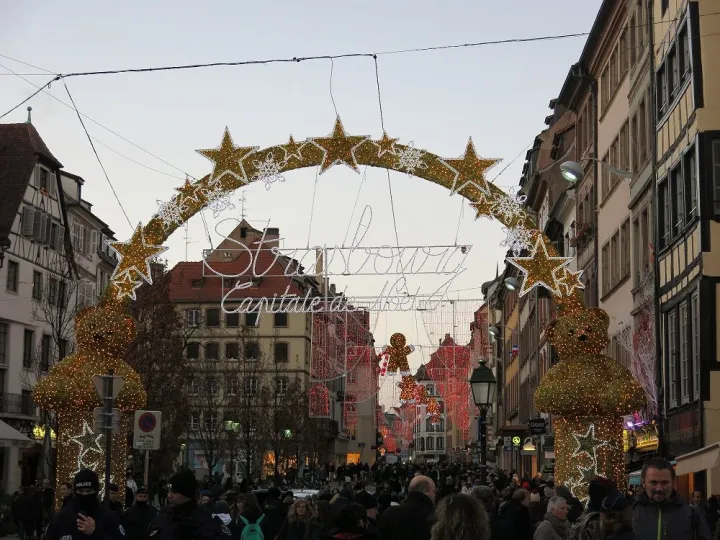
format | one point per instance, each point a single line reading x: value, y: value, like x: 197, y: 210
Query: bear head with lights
x: 586, y: 382
x: 103, y: 334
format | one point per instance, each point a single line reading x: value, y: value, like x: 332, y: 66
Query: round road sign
x: 147, y: 422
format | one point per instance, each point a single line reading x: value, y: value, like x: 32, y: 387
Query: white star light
x: 218, y: 200
x: 170, y: 213
x: 83, y: 451
x: 409, y: 159
x: 517, y: 239
x: 268, y: 171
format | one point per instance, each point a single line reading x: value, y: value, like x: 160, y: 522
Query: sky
x: 497, y: 94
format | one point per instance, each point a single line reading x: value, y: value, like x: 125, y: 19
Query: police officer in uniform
x: 137, y: 518
x: 84, y: 516
x: 183, y: 518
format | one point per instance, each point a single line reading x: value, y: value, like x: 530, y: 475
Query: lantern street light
x: 484, y: 387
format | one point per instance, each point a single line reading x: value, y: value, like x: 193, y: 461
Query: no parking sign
x: 147, y: 430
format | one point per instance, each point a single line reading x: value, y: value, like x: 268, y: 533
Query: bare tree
x: 157, y: 354
x: 283, y: 419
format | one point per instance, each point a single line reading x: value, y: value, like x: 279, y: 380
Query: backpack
x: 252, y: 531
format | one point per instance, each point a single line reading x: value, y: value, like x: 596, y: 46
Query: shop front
x: 684, y: 440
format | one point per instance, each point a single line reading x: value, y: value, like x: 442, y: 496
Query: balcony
x: 17, y: 405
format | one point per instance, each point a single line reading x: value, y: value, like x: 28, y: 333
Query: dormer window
x: 196, y: 283
x: 243, y: 232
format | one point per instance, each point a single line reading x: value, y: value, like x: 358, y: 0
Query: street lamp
x: 483, y: 386
x: 573, y: 172
x: 512, y: 283
x: 232, y: 428
x: 494, y: 331
x: 529, y: 445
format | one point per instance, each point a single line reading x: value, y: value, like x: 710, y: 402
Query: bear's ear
x: 550, y: 329
x: 601, y: 315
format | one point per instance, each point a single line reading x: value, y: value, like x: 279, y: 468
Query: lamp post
x: 484, y: 387
x: 573, y: 172
x: 232, y: 428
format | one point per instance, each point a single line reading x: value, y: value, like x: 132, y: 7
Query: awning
x: 700, y: 460
x: 509, y: 430
x: 9, y: 437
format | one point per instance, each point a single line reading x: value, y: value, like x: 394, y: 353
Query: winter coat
x: 551, y: 528
x: 411, y: 520
x: 623, y: 535
x: 513, y: 521
x: 676, y: 519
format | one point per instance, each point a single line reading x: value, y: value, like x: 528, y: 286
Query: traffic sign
x: 516, y: 441
x: 100, y: 380
x: 538, y: 426
x: 146, y: 432
x: 101, y: 421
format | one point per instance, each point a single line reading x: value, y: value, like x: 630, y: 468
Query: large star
x: 386, y: 145
x: 539, y: 268
x: 339, y: 148
x: 228, y: 159
x: 135, y: 255
x: 570, y: 280
x: 88, y: 442
x: 469, y: 170
x: 126, y: 286
x: 588, y: 444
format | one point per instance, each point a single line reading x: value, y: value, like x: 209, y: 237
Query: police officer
x: 137, y: 518
x: 84, y: 516
x: 115, y: 501
x: 183, y: 518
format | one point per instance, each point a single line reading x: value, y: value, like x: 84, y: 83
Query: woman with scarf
x: 301, y: 522
x: 555, y: 526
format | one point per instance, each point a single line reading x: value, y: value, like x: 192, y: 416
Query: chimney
x: 272, y: 237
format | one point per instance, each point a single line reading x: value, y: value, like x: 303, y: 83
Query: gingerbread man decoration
x: 398, y: 352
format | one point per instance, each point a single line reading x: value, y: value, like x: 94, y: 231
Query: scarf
x: 562, y: 527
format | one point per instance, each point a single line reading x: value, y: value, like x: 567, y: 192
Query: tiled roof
x: 20, y: 149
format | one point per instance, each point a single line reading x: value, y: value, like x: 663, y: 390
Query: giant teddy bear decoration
x: 587, y: 393
x: 103, y: 334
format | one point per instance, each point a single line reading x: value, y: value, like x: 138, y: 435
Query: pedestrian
x: 555, y: 525
x: 587, y: 526
x: 412, y: 519
x: 137, y: 518
x: 486, y: 496
x: 575, y: 507
x: 616, y: 517
x: 350, y: 524
x: 460, y: 516
x: 115, y: 502
x: 66, y: 492
x: 249, y: 522
x: 513, y: 519
x: 48, y: 500
x: 275, y: 512
x: 84, y: 516
x: 301, y: 522
x: 183, y: 518
x: 660, y: 512
x: 130, y: 488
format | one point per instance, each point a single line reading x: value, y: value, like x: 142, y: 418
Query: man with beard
x: 660, y: 512
x: 137, y: 518
x: 183, y: 518
x: 84, y: 516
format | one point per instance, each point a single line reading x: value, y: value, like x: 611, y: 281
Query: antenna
x: 243, y: 208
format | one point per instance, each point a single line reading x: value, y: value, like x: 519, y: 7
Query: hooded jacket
x: 674, y: 519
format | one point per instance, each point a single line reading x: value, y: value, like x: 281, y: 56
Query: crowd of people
x: 396, y: 502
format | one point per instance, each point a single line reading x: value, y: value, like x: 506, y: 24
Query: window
x: 28, y: 339
x: 192, y: 350
x: 642, y: 134
x: 715, y: 176
x: 605, y: 176
x: 52, y: 292
x: 665, y: 203
x: 614, y: 260
x: 422, y: 444
x: 429, y: 426
x: 672, y: 360
x: 62, y: 348
x: 662, y: 90
x: 690, y: 183
x: 213, y: 386
x: 62, y: 299
x: 196, y: 283
x: 212, y: 351
x: 280, y: 320
x: 631, y: 29
x: 281, y: 385
x: 430, y: 390
x: 251, y: 319
x: 193, y: 318
x: 677, y: 184
x: 212, y: 318
x: 623, y: 53
x: 232, y: 351
x: 281, y: 352
x: 625, y: 249
x: 232, y: 387
x: 3, y: 344
x: 194, y: 420
x: 664, y: 4
x: 45, y: 354
x: 604, y: 89
x: 695, y: 309
x: 252, y: 350
x: 13, y: 272
x: 430, y: 443
x: 193, y: 387
x: 683, y: 51
x: 251, y: 384
x: 439, y: 443
x: 684, y: 356
x: 624, y: 163
x: 37, y: 285
x: 671, y: 69
x: 232, y: 320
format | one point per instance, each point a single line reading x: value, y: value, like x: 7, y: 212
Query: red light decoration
x: 350, y: 412
x: 319, y: 401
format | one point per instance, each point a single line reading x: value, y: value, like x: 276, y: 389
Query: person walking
x: 616, y: 517
x: 555, y: 525
x: 138, y: 517
x: 84, y: 516
x: 410, y: 520
x: 660, y: 513
x: 301, y: 522
x: 513, y: 519
x: 460, y: 516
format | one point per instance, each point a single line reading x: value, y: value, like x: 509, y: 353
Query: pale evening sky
x: 497, y: 94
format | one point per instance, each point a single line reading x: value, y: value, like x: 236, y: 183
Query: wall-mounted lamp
x: 512, y: 283
x: 573, y: 172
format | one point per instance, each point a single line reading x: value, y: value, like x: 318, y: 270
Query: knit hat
x: 222, y: 507
x: 184, y: 483
x: 599, y: 488
x: 615, y: 501
x: 86, y: 479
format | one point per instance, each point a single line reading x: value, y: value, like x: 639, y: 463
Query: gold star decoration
x: 570, y: 280
x: 292, y: 149
x: 228, y: 159
x: 339, y: 148
x: 539, y: 268
x: 189, y: 192
x: 126, y: 286
x: 469, y: 170
x: 386, y: 145
x: 588, y: 444
x: 483, y: 205
x: 135, y: 255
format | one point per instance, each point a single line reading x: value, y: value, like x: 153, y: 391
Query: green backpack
x: 252, y: 531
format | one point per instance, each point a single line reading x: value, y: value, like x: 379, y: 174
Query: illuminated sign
x: 516, y: 441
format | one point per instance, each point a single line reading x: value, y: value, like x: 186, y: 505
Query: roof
x: 21, y: 147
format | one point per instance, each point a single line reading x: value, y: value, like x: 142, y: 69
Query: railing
x: 17, y: 404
